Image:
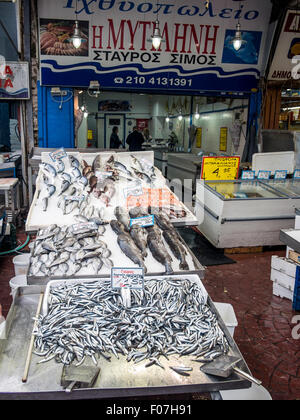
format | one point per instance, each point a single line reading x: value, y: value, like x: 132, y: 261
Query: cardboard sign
x: 145, y: 221
x: 130, y: 278
x: 58, y: 154
x: 220, y: 168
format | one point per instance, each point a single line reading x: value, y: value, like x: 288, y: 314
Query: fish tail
x: 184, y: 266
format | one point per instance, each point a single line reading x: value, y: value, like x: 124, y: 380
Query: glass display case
x: 238, y: 213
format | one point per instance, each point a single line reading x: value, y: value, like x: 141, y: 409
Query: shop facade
x: 195, y: 79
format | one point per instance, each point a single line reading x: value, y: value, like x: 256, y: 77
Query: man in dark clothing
x: 115, y: 141
x: 135, y: 140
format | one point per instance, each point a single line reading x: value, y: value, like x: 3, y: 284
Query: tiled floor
x: 265, y: 321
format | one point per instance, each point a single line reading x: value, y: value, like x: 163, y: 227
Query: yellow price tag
x: 220, y: 168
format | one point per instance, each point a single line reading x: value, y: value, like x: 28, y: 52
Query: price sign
x: 248, y: 175
x: 102, y: 175
x: 264, y: 175
x: 84, y: 227
x: 130, y: 278
x: 280, y: 175
x: 146, y: 221
x: 297, y: 174
x: 74, y: 197
x: 134, y: 190
x: 220, y: 168
x: 58, y: 154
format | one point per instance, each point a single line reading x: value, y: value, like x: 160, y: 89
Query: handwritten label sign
x: 280, y: 175
x: 58, y: 154
x: 145, y: 221
x: 130, y: 278
x: 265, y: 175
x: 102, y: 175
x: 135, y: 190
x: 84, y: 227
x: 248, y: 175
x: 74, y: 197
x: 220, y: 168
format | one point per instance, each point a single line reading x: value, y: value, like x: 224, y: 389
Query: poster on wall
x: 14, y: 80
x: 285, y: 65
x: 116, y: 50
x: 223, y: 139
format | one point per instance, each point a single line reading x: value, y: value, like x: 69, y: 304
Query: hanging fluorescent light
x: 156, y: 37
x: 76, y: 38
x: 197, y: 115
x: 238, y: 40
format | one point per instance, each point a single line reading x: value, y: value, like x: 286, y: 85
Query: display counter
x: 117, y: 378
x: 245, y: 213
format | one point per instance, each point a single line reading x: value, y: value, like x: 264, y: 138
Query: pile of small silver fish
x: 60, y: 251
x: 169, y: 317
x: 135, y: 240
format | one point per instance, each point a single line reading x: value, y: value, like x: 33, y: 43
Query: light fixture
x: 76, y: 38
x: 238, y: 39
x: 94, y: 89
x: 180, y: 117
x: 85, y: 114
x: 168, y: 119
x: 156, y: 37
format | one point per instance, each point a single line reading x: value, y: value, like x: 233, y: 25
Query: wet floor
x: 264, y: 332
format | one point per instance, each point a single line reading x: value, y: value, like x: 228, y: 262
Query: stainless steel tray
x: 117, y: 379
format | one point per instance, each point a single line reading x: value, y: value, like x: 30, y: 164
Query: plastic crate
x: 296, y: 302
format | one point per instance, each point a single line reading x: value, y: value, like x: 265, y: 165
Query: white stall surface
x: 38, y: 219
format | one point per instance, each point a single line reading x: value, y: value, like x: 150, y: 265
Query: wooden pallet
x: 244, y: 250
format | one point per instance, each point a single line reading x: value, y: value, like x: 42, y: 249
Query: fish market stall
x: 245, y: 213
x: 132, y: 341
x: 94, y: 185
x: 91, y: 250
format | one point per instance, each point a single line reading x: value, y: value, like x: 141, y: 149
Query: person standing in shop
x: 135, y: 140
x: 115, y: 142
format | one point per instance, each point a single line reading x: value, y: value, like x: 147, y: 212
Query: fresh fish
x: 66, y: 177
x: 73, y: 205
x: 62, y: 259
x: 81, y: 218
x: 162, y: 220
x: 117, y: 227
x: 139, y: 235
x: 48, y: 169
x: 86, y: 168
x: 159, y: 251
x: 45, y: 203
x: 97, y: 221
x: 93, y: 183
x: 76, y: 174
x: 122, y: 216
x: 101, y: 230
x: 120, y: 167
x: 83, y: 181
x: 141, y: 175
x: 96, y: 166
x: 60, y: 166
x: 64, y: 187
x: 89, y: 212
x: 131, y: 251
x: 74, y: 162
x: 177, y: 248
x: 107, y: 262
